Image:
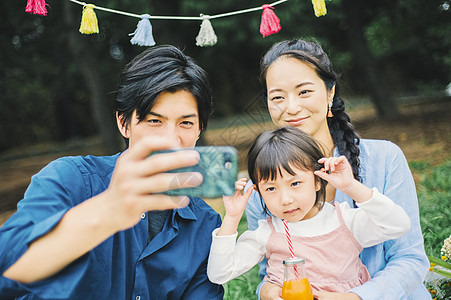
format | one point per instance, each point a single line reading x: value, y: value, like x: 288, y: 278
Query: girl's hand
x: 235, y: 204
x: 337, y: 171
x: 270, y: 291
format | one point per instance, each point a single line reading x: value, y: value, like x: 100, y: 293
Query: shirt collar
x: 187, y: 212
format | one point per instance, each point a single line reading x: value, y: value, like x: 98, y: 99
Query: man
x: 98, y: 227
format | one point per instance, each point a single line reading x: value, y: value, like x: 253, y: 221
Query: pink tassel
x: 270, y: 22
x: 36, y: 7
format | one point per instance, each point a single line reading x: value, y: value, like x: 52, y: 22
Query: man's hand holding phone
x: 139, y: 179
x: 218, y: 166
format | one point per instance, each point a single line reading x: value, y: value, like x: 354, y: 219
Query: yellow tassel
x: 89, y: 20
x: 319, y: 6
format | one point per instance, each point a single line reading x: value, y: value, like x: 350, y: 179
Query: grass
x: 434, y: 195
x: 243, y: 287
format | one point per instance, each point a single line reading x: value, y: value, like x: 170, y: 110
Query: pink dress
x: 332, y: 260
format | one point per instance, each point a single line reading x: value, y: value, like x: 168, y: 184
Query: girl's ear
x: 317, y: 183
x: 123, y: 128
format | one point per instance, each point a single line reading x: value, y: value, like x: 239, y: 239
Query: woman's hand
x: 337, y: 171
x: 270, y: 291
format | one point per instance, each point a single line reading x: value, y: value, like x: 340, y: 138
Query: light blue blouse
x: 397, y: 267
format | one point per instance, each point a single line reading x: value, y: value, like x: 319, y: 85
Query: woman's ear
x: 123, y: 128
x: 331, y: 94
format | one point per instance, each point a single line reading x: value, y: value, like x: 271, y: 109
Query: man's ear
x: 123, y: 128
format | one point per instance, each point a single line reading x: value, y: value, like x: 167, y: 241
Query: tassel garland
x: 206, y: 36
x: 143, y: 33
x: 270, y: 23
x: 89, y: 20
x: 36, y: 7
x: 319, y: 6
x: 143, y: 36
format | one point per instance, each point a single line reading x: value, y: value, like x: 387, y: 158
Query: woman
x: 302, y: 91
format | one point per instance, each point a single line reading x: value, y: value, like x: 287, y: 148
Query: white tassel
x: 143, y: 33
x: 206, y: 36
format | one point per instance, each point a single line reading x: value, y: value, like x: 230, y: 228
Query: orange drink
x: 297, y: 289
x: 295, y: 282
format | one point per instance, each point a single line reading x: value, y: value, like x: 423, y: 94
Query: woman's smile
x: 297, y: 121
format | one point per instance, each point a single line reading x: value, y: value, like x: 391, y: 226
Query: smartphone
x: 219, y: 168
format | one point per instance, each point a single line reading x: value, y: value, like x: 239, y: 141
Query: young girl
x: 291, y: 173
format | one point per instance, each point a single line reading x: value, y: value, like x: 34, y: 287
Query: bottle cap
x: 293, y: 261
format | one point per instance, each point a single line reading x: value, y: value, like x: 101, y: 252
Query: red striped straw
x: 288, y: 236
x: 290, y: 245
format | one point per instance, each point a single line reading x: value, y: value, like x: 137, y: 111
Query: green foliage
x: 442, y: 264
x: 434, y: 192
x: 398, y: 40
x: 439, y: 285
x: 243, y: 287
x: 440, y: 289
x: 44, y: 96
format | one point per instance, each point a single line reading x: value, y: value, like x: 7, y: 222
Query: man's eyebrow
x: 190, y: 116
x: 155, y: 114
x: 161, y: 116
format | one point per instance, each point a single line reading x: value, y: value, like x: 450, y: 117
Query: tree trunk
x: 101, y: 108
x: 377, y: 87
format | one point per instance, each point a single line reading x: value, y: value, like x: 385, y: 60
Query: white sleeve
x: 229, y: 259
x: 376, y: 220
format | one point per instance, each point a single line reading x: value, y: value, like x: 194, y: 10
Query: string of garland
x: 143, y: 36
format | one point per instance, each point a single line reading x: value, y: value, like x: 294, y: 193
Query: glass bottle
x: 295, y: 282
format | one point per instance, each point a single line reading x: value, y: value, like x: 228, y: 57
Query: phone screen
x: 219, y: 168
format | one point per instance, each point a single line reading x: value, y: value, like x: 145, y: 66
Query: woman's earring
x: 329, y: 113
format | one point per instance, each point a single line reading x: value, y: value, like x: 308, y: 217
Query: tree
x: 368, y: 67
x: 57, y: 84
x: 101, y: 108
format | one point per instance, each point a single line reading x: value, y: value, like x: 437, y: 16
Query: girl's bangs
x: 270, y: 162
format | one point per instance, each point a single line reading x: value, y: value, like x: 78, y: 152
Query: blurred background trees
x: 57, y: 84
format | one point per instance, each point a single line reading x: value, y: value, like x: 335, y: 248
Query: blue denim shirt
x: 171, y: 266
x: 397, y: 267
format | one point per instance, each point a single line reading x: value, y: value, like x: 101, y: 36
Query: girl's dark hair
x: 345, y: 138
x: 159, y: 69
x: 285, y: 148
